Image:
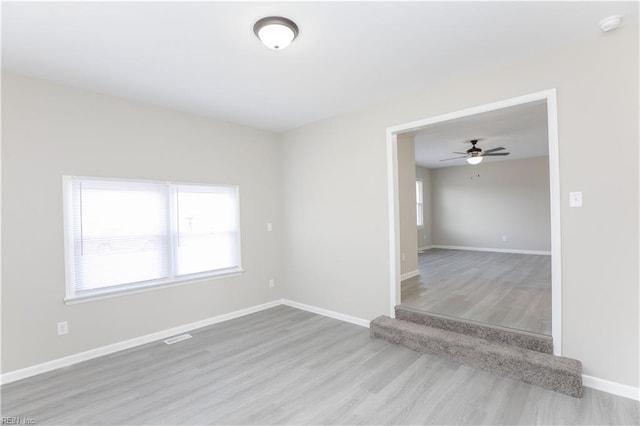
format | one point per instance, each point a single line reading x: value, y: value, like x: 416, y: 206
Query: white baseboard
x: 327, y: 313
x: 611, y: 387
x: 425, y: 248
x: 12, y: 376
x: 66, y: 361
x: 497, y: 250
x: 409, y: 274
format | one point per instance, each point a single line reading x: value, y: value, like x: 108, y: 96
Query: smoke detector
x: 610, y: 23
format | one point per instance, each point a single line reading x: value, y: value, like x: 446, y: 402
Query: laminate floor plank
x: 505, y: 289
x: 286, y: 366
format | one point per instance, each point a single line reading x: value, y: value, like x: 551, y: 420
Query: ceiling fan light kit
x: 474, y: 160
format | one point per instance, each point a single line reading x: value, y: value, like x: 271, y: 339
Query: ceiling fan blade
x: 463, y: 153
x: 495, y: 155
x: 453, y: 158
x: 500, y: 148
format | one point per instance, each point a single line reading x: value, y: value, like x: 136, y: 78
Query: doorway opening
x: 432, y: 126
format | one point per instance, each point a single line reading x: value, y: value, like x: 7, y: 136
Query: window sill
x: 143, y: 288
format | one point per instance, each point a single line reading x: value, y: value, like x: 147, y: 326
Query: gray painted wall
x: 49, y: 131
x: 407, y: 202
x: 475, y: 206
x: 343, y: 263
x: 330, y: 178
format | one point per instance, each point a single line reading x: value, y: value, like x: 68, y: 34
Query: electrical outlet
x: 269, y: 227
x: 504, y: 238
x: 272, y: 283
x: 403, y: 257
x: 63, y: 328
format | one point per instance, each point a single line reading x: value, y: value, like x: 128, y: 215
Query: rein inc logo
x: 18, y: 421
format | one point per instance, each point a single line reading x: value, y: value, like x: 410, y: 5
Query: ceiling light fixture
x: 276, y: 32
x: 610, y: 23
x: 474, y: 160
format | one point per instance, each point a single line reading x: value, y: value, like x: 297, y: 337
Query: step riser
x: 558, y: 374
x: 499, y: 335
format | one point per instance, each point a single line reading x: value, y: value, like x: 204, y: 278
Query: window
x: 123, y: 235
x: 419, y: 203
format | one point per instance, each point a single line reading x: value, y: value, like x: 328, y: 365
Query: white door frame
x: 554, y: 182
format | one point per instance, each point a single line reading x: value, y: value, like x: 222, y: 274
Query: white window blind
x: 207, y: 229
x: 122, y: 235
x: 419, y: 203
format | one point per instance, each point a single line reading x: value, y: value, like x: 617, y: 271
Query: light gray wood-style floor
x: 505, y: 289
x: 286, y: 366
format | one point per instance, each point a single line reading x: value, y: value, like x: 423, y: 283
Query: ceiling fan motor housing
x: 474, y: 151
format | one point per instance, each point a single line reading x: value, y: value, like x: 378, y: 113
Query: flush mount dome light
x: 276, y: 32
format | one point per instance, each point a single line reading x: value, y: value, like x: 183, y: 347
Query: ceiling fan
x: 474, y: 154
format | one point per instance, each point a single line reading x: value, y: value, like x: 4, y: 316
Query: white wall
x: 49, y: 131
x: 475, y: 206
x: 407, y: 200
x: 425, y: 233
x: 335, y: 194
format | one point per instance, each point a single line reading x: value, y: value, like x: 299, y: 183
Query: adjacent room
x: 481, y: 226
x: 320, y: 213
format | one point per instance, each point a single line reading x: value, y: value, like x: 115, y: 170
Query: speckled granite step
x: 548, y: 371
x: 522, y: 339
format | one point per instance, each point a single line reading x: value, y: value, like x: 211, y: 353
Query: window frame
x: 72, y: 296
x: 420, y: 204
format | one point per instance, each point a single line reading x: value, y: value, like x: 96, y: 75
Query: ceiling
x: 521, y: 129
x: 202, y: 57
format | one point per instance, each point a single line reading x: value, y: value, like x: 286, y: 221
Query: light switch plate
x: 575, y: 199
